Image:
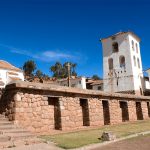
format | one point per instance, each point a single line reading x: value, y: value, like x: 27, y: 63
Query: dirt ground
x: 138, y: 143
x: 41, y: 146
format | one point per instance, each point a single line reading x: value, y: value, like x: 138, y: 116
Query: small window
x: 122, y: 61
x: 132, y: 45
x: 99, y: 88
x: 138, y: 61
x: 136, y: 47
x: 110, y: 63
x: 115, y: 47
x: 134, y: 59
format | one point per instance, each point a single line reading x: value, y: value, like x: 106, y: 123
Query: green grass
x: 86, y: 137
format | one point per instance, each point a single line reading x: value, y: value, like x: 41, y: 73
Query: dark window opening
x: 122, y: 61
x: 148, y: 108
x: 138, y: 62
x: 117, y: 81
x: 115, y: 47
x: 136, y: 47
x: 110, y: 63
x: 132, y: 45
x: 134, y: 59
x: 106, y: 113
x: 99, y: 88
x: 54, y: 101
x: 141, y: 91
x: 85, y: 112
x: 124, y: 110
x: 139, y: 112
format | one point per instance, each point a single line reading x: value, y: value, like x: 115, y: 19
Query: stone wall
x: 46, y: 108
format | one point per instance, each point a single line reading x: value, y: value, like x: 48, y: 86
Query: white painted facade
x: 129, y: 76
x: 147, y: 83
x: 9, y: 73
x: 79, y: 82
x: 148, y: 72
x: 97, y: 87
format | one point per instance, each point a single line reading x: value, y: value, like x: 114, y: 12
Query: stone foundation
x: 44, y: 108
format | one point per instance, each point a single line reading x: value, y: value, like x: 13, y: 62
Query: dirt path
x: 41, y: 146
x: 138, y: 143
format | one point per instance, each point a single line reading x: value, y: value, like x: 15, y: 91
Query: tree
x: 39, y: 73
x: 61, y: 70
x: 96, y: 77
x: 73, y: 69
x: 56, y: 69
x: 45, y: 77
x: 29, y: 67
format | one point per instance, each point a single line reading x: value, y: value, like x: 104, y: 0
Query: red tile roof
x: 6, y: 65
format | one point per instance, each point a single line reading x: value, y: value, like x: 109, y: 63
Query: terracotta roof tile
x: 6, y: 65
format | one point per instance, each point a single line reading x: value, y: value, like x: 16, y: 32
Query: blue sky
x: 47, y: 31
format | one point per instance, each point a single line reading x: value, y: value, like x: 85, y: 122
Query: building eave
x: 147, y: 70
x: 119, y: 33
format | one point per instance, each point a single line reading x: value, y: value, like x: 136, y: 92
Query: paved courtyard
x: 138, y: 143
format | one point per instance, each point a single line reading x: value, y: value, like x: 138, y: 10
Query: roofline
x: 71, y: 90
x: 147, y: 69
x: 14, y: 69
x: 65, y: 79
x: 119, y: 33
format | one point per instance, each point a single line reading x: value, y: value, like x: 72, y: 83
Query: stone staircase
x: 13, y: 136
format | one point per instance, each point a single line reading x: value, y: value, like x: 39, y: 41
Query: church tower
x: 122, y: 65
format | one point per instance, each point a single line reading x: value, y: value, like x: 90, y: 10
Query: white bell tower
x: 122, y: 65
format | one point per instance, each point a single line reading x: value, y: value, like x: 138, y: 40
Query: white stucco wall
x: 5, y: 76
x: 148, y: 72
x: 128, y: 78
x: 77, y: 82
x: 137, y: 72
x: 147, y: 85
x: 83, y: 82
x: 96, y: 87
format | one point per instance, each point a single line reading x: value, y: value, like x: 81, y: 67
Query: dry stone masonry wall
x: 43, y: 108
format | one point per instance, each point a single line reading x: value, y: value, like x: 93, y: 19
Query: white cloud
x: 55, y: 54
x: 46, y: 56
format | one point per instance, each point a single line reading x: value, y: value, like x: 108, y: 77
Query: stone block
x: 31, y: 96
x: 33, y: 100
x: 108, y: 136
x: 17, y: 97
x: 45, y: 98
